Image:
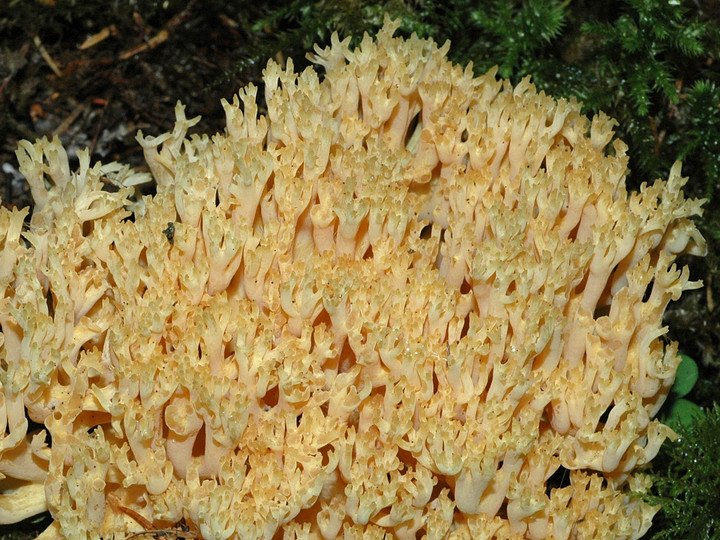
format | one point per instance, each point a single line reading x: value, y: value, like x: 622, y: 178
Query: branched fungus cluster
x: 406, y: 302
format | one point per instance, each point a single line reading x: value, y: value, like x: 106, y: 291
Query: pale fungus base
x: 392, y: 308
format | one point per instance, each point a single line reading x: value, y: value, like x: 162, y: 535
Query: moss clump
x: 687, y: 481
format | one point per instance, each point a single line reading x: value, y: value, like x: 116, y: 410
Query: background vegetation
x: 95, y: 71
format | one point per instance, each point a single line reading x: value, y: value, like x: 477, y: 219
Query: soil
x: 96, y: 85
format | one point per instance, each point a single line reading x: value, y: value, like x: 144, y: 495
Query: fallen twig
x: 161, y: 36
x: 98, y: 37
x: 77, y: 111
x: 46, y: 56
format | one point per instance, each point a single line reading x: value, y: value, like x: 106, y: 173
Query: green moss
x: 686, y: 478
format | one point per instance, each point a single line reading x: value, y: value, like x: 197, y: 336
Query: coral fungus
x: 400, y: 304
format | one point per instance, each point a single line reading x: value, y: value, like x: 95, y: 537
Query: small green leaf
x: 683, y: 412
x: 686, y: 377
